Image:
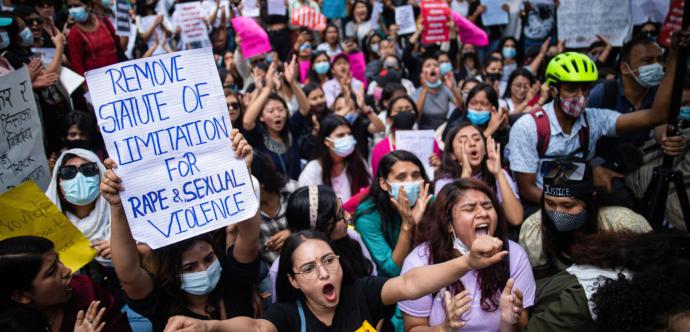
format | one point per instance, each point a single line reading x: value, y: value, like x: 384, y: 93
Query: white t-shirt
x: 311, y: 176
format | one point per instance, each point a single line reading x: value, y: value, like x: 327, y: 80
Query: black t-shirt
x: 359, y: 302
x: 237, y: 280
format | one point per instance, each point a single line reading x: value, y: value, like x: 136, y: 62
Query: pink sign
x: 470, y: 33
x: 304, y: 70
x: 253, y: 38
x: 358, y: 66
x: 435, y: 14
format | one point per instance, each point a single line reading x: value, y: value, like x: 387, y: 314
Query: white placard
x: 165, y: 122
x: 250, y: 8
x: 404, y: 18
x: 494, y: 14
x: 191, y: 17
x: 646, y: 10
x: 579, y: 21
x: 420, y: 143
x: 376, y: 11
x: 276, y: 7
x: 70, y: 80
x: 46, y: 53
x: 22, y: 156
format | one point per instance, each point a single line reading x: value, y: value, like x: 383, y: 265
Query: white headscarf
x: 95, y: 226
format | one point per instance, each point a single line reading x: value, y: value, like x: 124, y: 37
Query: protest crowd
x: 344, y: 165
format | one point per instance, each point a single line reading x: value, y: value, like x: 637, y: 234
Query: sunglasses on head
x: 573, y: 171
x: 70, y: 171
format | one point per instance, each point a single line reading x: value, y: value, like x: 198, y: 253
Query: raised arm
x: 247, y: 243
x: 187, y: 324
x: 59, y: 40
x: 254, y: 109
x: 291, y: 77
x: 136, y: 281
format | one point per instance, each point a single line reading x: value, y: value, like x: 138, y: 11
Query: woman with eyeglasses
x: 521, y: 89
x: 316, y: 294
x: 317, y: 208
x: 569, y: 210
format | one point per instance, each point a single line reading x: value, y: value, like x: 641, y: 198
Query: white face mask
x: 458, y: 245
x: 649, y: 75
x: 203, y: 282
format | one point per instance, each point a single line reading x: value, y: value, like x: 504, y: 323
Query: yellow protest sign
x: 366, y: 327
x: 27, y: 211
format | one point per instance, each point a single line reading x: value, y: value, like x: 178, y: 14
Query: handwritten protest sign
x: 333, y: 8
x: 435, y: 15
x: 358, y: 66
x: 580, y: 21
x: 420, y: 143
x: 494, y: 14
x: 276, y: 7
x: 27, y: 211
x: 470, y: 33
x: 22, y: 156
x: 404, y: 18
x: 253, y: 39
x: 165, y: 122
x: 308, y: 17
x: 648, y: 10
x: 190, y: 17
x: 672, y: 23
x: 122, y: 18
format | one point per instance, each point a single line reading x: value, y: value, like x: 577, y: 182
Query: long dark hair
x: 21, y: 258
x: 557, y: 245
x: 284, y: 290
x: 355, y: 167
x: 490, y: 95
x: 168, y: 265
x: 434, y: 230
x: 381, y: 198
x: 312, y: 76
x: 451, y: 168
x: 519, y: 71
x: 355, y: 265
x: 265, y: 171
x: 228, y: 92
x: 285, y: 132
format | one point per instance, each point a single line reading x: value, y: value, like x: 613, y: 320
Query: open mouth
x: 474, y: 154
x: 481, y: 229
x: 329, y: 293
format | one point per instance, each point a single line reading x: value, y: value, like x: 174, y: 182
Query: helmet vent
x: 577, y: 69
x: 565, y: 68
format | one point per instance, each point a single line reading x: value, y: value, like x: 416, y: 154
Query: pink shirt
x: 382, y: 148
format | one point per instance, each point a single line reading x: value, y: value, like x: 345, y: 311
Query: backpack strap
x: 543, y: 130
x: 584, y: 136
x: 610, y: 95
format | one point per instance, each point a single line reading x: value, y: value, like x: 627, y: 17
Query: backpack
x: 544, y: 133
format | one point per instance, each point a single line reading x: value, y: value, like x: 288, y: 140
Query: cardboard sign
x: 580, y: 21
x: 420, y: 143
x: 22, y: 156
x: 253, y: 39
x: 333, y: 8
x: 494, y: 14
x: 27, y: 211
x: 435, y: 14
x: 190, y: 17
x: 165, y: 123
x: 672, y: 23
x: 470, y: 33
x: 308, y: 17
x: 404, y: 18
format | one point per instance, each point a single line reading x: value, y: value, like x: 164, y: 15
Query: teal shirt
x: 369, y: 227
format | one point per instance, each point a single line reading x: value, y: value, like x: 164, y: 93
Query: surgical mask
x: 204, y: 282
x: 566, y: 222
x: 649, y: 75
x: 81, y: 190
x: 351, y: 117
x: 411, y: 190
x: 106, y: 3
x: 445, y: 68
x: 343, y: 146
x: 4, y: 40
x: 404, y: 120
x: 322, y: 68
x: 458, y: 245
x: 684, y: 113
x: 79, y: 14
x: 27, y: 37
x: 509, y: 52
x: 477, y: 117
x: 268, y: 59
x: 434, y: 85
x: 573, y: 106
x: 375, y: 48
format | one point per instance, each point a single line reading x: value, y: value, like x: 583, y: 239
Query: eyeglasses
x: 234, y: 106
x: 70, y: 171
x: 33, y: 20
x: 573, y: 171
x: 310, y: 270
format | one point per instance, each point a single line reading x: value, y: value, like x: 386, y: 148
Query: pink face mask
x: 574, y: 106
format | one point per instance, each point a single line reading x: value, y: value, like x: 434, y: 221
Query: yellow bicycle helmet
x: 571, y: 67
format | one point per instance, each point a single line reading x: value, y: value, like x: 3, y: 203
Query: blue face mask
x: 79, y: 14
x: 27, y: 37
x: 477, y: 117
x: 344, y: 146
x: 434, y: 85
x: 351, y: 117
x: 684, y: 113
x: 204, y: 282
x: 268, y: 59
x: 411, y: 190
x: 4, y: 40
x: 509, y: 52
x: 322, y: 68
x: 445, y: 68
x: 81, y: 190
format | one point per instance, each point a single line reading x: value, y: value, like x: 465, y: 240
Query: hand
x: 498, y: 120
x: 35, y: 67
x: 485, y: 251
x: 102, y: 248
x: 276, y: 241
x: 434, y: 161
x: 242, y: 149
x: 420, y: 205
x: 543, y: 94
x: 481, y: 9
x: 680, y: 38
x: 158, y: 20
x: 545, y: 46
x: 44, y: 79
x: 58, y: 38
x: 673, y: 146
x: 560, y: 47
x: 91, y: 320
x: 533, y: 91
x: 316, y: 126
x: 603, y: 177
x: 510, y: 303
x: 455, y: 307
x: 466, y: 168
x: 270, y: 74
x: 182, y: 323
x: 51, y: 161
x: 291, y: 70
x: 111, y: 184
x: 603, y: 40
x: 493, y: 161
x: 505, y: 7
x: 449, y: 80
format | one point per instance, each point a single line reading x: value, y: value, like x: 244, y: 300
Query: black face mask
x: 492, y: 77
x: 404, y: 120
x: 77, y: 144
x: 318, y: 110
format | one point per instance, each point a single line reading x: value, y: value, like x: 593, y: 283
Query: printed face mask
x: 204, y: 282
x: 343, y: 146
x: 477, y: 117
x: 566, y: 222
x: 81, y: 189
x: 573, y: 106
x: 411, y: 190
